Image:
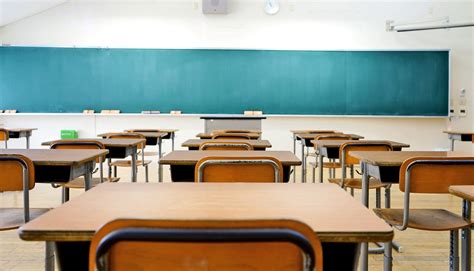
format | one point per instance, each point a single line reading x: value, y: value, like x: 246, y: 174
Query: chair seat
x: 13, y: 218
x: 326, y: 164
x: 425, y: 219
x: 356, y: 183
x: 128, y: 163
x: 79, y: 182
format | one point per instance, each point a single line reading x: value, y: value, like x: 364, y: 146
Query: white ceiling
x: 14, y: 10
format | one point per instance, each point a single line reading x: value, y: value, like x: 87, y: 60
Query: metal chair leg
x: 387, y: 257
x: 146, y: 173
x: 314, y: 174
x: 65, y: 194
x: 115, y: 171
x: 110, y: 168
x: 378, y: 200
x: 454, y: 250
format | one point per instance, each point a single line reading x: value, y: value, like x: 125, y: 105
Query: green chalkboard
x: 39, y: 79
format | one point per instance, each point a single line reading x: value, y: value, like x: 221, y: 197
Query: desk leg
x: 452, y: 144
x: 294, y: 151
x: 466, y: 238
x: 27, y: 142
x: 320, y: 165
x: 303, y: 159
x: 134, y: 164
x: 172, y: 141
x: 49, y: 256
x: 364, y: 248
x: 88, y: 176
x: 160, y: 169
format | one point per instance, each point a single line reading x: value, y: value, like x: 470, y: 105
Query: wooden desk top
x: 315, y: 132
x: 287, y: 158
x: 463, y: 191
x: 338, y: 143
x: 333, y: 214
x: 312, y: 136
x: 21, y: 129
x: 458, y: 132
x: 154, y: 130
x: 47, y: 157
x: 255, y: 143
x: 112, y: 142
x: 145, y: 134
x: 396, y: 158
x: 210, y: 135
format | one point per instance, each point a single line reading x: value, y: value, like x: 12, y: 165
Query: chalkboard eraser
x: 248, y: 113
x: 252, y: 113
x: 10, y: 111
x: 175, y: 112
x: 110, y: 112
x: 257, y: 112
x: 88, y: 111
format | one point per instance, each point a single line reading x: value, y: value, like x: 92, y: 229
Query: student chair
x: 79, y: 183
x: 348, y: 161
x: 153, y: 154
x: 230, y: 136
x: 332, y: 165
x: 4, y: 136
x: 225, y: 146
x: 171, y: 245
x: 128, y: 163
x: 431, y: 175
x: 238, y: 169
x: 17, y: 173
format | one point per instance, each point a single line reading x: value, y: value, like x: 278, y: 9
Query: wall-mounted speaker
x: 214, y: 6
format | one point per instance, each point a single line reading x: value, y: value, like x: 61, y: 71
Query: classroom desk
x: 461, y: 136
x: 210, y: 135
x: 330, y: 149
x: 61, y: 166
x: 119, y: 148
x: 21, y: 132
x: 152, y: 138
x: 466, y: 192
x: 182, y: 163
x: 328, y: 209
x: 170, y: 134
x: 258, y: 145
x: 306, y: 142
x: 385, y: 166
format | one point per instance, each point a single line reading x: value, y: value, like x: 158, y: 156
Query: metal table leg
x: 160, y: 169
x: 134, y: 164
x: 303, y: 159
x: 88, y: 176
x: 364, y: 255
x: 320, y: 165
x: 49, y: 256
x: 294, y: 151
x: 172, y: 141
x: 466, y: 238
x: 452, y: 144
x: 27, y: 141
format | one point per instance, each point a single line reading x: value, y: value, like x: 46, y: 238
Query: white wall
x: 316, y: 25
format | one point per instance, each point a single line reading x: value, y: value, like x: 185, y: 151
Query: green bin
x: 68, y: 134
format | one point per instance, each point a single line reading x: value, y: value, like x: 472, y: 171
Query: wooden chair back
x: 236, y: 131
x: 231, y: 136
x: 225, y: 146
x: 332, y: 137
x: 130, y: 136
x: 82, y: 144
x: 239, y: 169
x: 12, y: 170
x: 142, y: 130
x: 4, y: 134
x: 134, y: 244
x: 435, y: 174
x: 346, y: 148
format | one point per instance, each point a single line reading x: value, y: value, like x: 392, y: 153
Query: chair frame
x: 262, y: 161
x: 98, y: 144
x: 204, y: 231
x: 26, y: 181
x: 6, y: 135
x: 454, y: 234
x: 246, y: 145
